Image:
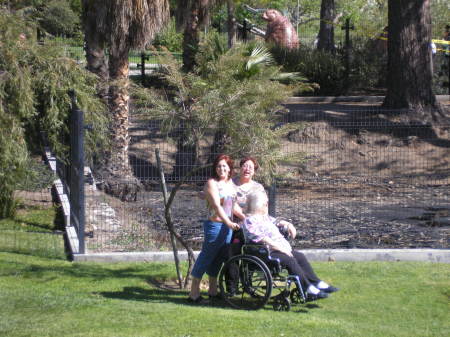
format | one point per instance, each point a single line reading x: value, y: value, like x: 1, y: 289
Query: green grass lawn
x: 43, y: 296
x: 32, y: 231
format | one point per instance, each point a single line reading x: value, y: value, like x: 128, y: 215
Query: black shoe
x: 215, y: 297
x: 315, y: 297
x: 330, y: 289
x: 232, y: 291
x: 199, y: 300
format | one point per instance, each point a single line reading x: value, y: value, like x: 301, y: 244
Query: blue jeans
x: 211, y: 257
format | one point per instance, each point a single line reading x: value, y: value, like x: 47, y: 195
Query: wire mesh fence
x: 34, y: 228
x: 366, y: 179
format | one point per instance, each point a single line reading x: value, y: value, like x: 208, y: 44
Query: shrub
x: 368, y: 64
x: 323, y: 68
x: 34, y: 81
x: 169, y: 38
x: 59, y: 19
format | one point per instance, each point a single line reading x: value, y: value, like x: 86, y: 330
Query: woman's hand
x: 233, y: 226
x: 290, y: 228
x: 292, y: 231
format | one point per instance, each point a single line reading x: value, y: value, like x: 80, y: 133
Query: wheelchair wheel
x: 282, y: 304
x: 296, y: 297
x: 245, y: 282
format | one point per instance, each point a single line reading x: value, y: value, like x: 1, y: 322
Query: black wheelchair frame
x: 253, y: 277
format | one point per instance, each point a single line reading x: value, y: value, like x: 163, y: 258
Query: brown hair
x: 253, y: 160
x: 229, y: 162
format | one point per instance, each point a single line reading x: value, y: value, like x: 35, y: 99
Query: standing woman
x: 220, y: 194
x: 245, y: 185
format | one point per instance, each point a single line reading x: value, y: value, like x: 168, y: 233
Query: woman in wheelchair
x: 259, y: 227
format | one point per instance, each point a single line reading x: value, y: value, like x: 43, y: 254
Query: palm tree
x: 231, y: 23
x: 94, y: 16
x: 196, y: 19
x: 121, y: 25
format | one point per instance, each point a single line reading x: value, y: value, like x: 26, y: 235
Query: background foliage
x: 34, y: 81
x: 233, y: 90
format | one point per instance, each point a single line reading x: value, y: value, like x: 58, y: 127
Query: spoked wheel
x: 281, y: 304
x: 245, y: 282
x: 296, y: 297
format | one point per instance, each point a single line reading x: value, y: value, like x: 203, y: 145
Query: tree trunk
x: 181, y: 14
x: 196, y: 20
x: 326, y: 32
x: 95, y: 56
x: 231, y: 23
x: 186, y: 158
x: 118, y: 177
x: 95, y: 47
x: 409, y: 79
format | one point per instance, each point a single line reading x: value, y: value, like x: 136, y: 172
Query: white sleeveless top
x: 242, y: 192
x: 227, y: 195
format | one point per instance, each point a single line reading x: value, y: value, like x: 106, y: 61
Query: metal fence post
x: 448, y: 70
x: 347, y: 27
x: 244, y: 30
x: 273, y: 199
x: 144, y: 58
x: 76, y: 197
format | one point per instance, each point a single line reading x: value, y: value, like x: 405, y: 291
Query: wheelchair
x: 252, y: 278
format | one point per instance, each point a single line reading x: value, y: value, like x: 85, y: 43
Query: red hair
x: 248, y: 158
x: 229, y: 162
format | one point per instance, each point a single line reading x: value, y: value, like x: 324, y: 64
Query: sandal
x: 198, y: 300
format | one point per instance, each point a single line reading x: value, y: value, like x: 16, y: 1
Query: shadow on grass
x: 178, y: 297
x: 146, y: 295
x: 91, y: 271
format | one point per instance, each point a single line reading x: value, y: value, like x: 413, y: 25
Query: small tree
x: 237, y: 98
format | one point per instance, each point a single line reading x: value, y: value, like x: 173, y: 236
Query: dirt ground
x: 367, y: 179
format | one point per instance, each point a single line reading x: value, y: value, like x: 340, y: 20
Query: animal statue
x: 279, y: 30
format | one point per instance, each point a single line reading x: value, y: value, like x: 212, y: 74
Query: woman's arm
x: 237, y: 210
x: 212, y: 195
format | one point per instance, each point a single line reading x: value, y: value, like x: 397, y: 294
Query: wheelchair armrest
x: 255, y: 249
x: 263, y: 252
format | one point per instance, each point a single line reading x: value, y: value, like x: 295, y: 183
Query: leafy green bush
x: 169, y: 38
x: 368, y: 64
x: 323, y: 68
x: 59, y: 19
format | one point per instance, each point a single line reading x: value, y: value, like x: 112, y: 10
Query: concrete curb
x: 353, y: 255
x: 337, y: 99
x: 63, y: 199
